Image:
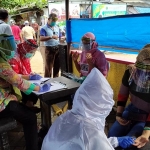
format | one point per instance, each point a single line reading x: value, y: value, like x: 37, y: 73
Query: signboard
x: 59, y: 9
x: 85, y: 10
x: 105, y: 10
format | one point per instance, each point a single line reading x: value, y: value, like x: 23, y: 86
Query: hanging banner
x: 59, y: 9
x: 105, y: 10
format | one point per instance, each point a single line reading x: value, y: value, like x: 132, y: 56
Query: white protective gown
x: 82, y: 127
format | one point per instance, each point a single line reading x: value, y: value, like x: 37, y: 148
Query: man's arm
x: 21, y: 35
x: 43, y: 35
x: 45, y: 38
x: 34, y: 36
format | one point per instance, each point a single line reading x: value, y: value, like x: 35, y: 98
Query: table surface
x: 72, y: 86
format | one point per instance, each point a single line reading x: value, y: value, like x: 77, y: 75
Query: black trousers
x: 52, y: 61
x: 31, y: 97
x: 27, y: 118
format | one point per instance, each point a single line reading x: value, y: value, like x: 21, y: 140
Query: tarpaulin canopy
x: 125, y: 32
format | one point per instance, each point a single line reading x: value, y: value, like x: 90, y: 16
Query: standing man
x: 35, y: 26
x: 50, y: 35
x: 16, y: 31
x: 27, y: 32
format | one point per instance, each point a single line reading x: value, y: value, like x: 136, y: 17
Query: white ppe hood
x: 82, y: 128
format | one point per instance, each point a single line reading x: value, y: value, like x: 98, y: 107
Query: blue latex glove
x: 125, y: 141
x: 35, y: 77
x: 45, y: 87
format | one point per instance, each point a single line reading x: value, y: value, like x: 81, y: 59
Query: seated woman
x: 21, y: 65
x: 11, y: 83
x: 82, y: 127
x: 91, y: 56
x: 134, y: 120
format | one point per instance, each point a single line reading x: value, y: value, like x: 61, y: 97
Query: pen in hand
x: 44, y: 81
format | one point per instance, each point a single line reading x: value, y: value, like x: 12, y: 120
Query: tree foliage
x: 13, y: 6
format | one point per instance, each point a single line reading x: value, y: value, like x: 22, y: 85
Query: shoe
x: 35, y: 109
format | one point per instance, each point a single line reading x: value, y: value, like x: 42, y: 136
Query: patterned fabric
x: 27, y: 47
x: 8, y: 79
x: 144, y: 53
x: 21, y: 65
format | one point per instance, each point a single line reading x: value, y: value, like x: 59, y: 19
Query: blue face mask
x: 29, y: 55
x: 53, y: 24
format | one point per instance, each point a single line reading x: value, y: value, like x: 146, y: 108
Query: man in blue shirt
x: 49, y: 34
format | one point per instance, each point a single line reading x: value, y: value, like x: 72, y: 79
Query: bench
x: 6, y: 124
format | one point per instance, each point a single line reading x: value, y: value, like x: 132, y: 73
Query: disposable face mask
x: 53, y: 24
x: 29, y: 55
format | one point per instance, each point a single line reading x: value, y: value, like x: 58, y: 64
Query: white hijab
x: 82, y: 128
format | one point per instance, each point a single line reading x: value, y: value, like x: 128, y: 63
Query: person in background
x: 49, y: 33
x: 82, y: 127
x: 134, y: 120
x: 90, y: 57
x: 35, y: 26
x: 10, y: 85
x: 20, y: 63
x: 16, y: 31
x: 42, y: 51
x: 27, y: 32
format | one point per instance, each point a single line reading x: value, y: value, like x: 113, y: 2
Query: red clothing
x: 21, y: 65
x: 16, y: 32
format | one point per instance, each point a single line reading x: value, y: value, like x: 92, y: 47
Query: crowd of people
x: 82, y: 127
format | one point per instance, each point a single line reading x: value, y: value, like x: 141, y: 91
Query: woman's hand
x: 122, y: 121
x: 89, y: 60
x: 141, y: 141
x: 37, y: 87
x: 75, y: 56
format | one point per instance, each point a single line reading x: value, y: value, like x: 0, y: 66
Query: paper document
x: 55, y: 85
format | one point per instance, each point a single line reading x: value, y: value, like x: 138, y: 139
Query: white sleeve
x: 113, y: 141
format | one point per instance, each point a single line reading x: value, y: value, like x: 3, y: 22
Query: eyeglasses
x: 54, y: 19
x: 86, y: 40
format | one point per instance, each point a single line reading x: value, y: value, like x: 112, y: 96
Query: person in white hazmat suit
x: 82, y: 127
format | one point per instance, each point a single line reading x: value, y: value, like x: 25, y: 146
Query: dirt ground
x: 37, y: 63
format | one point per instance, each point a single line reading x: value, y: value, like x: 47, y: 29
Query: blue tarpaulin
x: 127, y: 31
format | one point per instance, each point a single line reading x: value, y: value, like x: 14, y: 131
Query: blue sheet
x: 126, y: 31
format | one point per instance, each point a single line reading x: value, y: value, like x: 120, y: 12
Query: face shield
x: 7, y: 46
x: 141, y: 78
x: 86, y: 44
